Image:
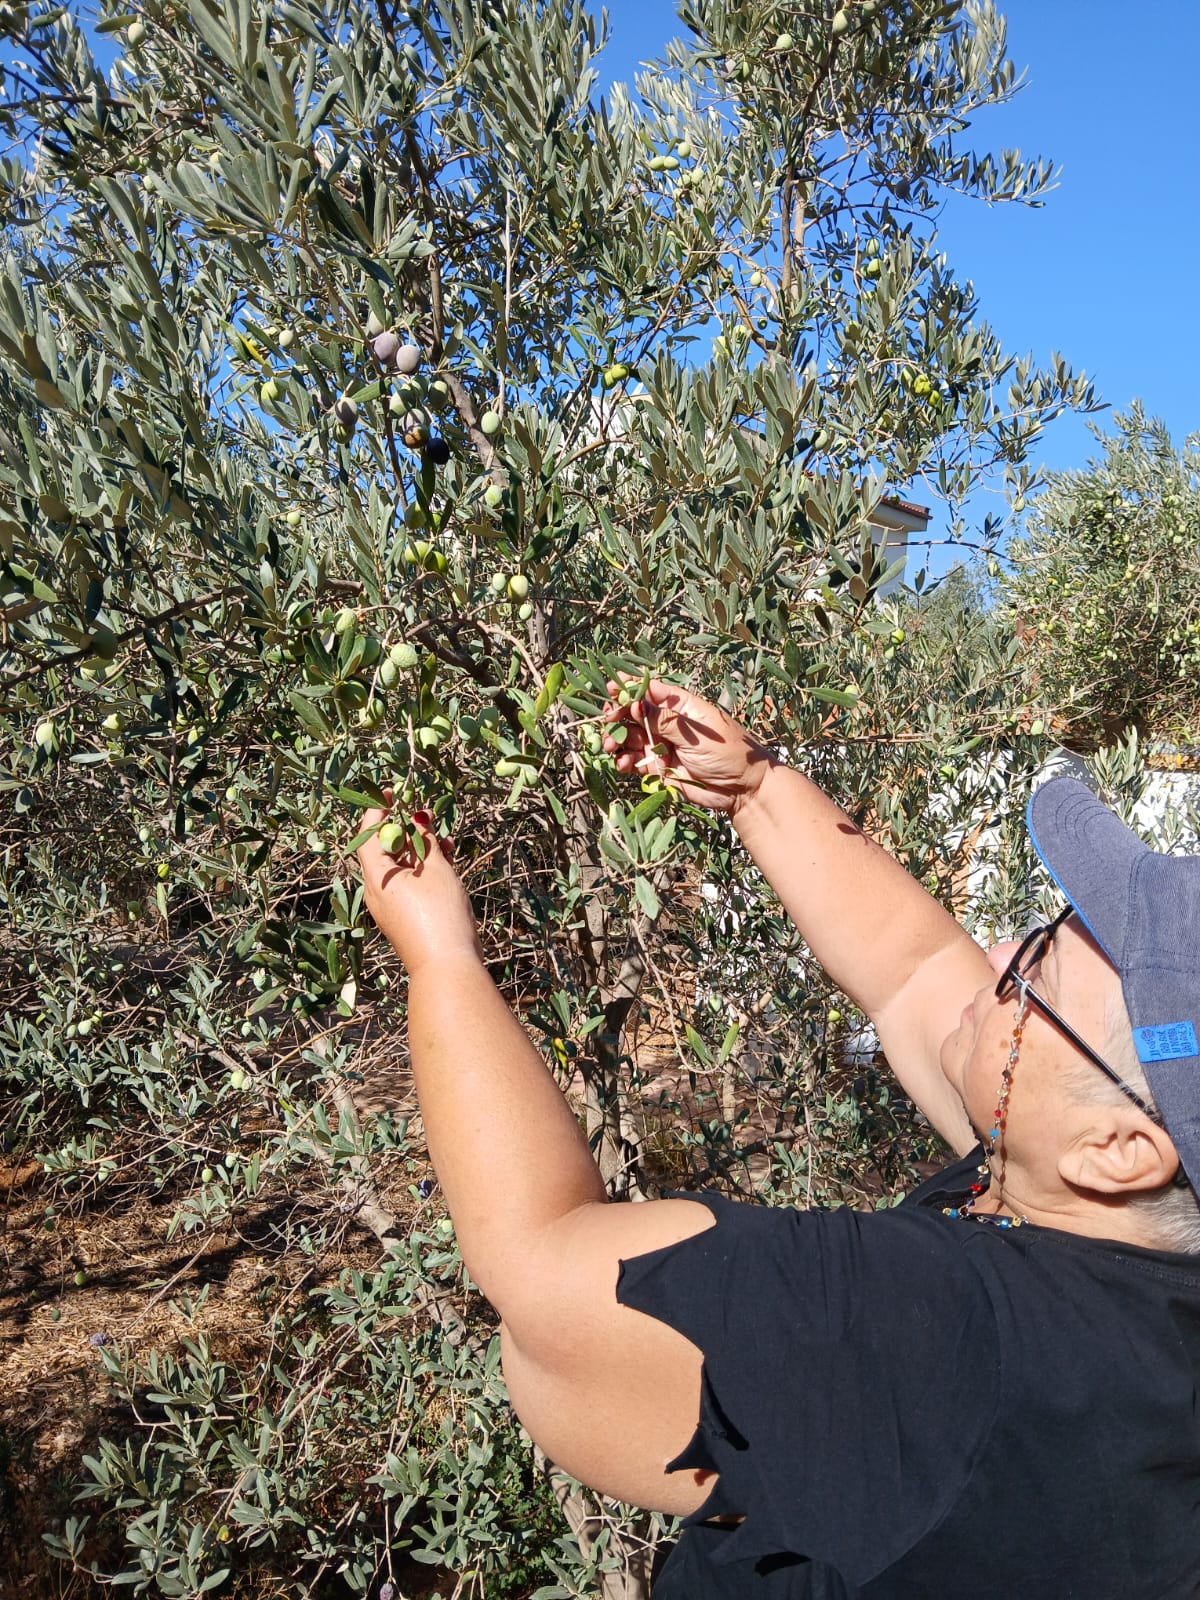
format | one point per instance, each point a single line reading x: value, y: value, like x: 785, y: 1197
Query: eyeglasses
x: 1026, y: 959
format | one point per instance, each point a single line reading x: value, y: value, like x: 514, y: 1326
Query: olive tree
x: 1104, y: 584
x: 373, y: 394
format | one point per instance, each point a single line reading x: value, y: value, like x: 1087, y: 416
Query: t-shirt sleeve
x: 850, y: 1374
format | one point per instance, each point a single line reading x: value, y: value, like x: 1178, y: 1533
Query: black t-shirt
x: 907, y: 1405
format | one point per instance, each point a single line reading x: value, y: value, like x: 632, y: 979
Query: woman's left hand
x: 421, y: 906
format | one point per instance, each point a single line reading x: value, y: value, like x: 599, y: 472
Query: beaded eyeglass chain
x: 995, y: 1142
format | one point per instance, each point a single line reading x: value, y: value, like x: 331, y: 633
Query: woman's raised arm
x: 882, y: 938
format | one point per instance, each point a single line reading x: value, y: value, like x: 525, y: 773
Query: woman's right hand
x: 689, y: 743
x: 420, y: 905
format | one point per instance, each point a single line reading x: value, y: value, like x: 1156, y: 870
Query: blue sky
x: 1106, y: 271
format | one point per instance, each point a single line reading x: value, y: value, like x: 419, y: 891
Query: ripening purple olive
x: 345, y: 411
x: 385, y: 346
x: 408, y: 358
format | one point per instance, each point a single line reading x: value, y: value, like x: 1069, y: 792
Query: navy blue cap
x: 1143, y: 910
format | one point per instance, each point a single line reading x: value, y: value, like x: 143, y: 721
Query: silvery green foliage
x: 1104, y: 580
x: 675, y: 349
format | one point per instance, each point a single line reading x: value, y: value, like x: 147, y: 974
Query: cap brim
x: 1090, y: 854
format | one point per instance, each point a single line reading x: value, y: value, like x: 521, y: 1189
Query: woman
x: 990, y: 1390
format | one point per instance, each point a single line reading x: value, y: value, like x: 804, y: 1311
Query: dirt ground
x: 55, y: 1399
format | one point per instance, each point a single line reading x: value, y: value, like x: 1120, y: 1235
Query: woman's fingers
x: 661, y: 730
x: 661, y: 710
x: 407, y: 858
x: 374, y: 816
x: 423, y: 821
x: 639, y: 751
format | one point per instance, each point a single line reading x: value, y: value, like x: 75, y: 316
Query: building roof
x: 909, y: 507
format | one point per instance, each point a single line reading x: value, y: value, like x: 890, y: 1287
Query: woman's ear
x: 1120, y: 1153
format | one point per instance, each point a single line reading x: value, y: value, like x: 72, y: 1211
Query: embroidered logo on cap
x: 1169, y: 1041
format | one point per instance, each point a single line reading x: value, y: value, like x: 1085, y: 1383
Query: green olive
x: 403, y: 656
x: 392, y: 838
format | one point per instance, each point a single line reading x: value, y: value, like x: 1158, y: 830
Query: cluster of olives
x: 403, y: 361
x: 394, y: 357
x: 673, y: 161
x: 516, y: 587
x: 924, y: 388
x: 409, y: 402
x: 391, y: 353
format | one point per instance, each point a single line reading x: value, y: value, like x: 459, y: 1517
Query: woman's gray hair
x: 1170, y: 1216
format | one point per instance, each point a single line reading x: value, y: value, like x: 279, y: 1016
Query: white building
x: 899, y: 522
